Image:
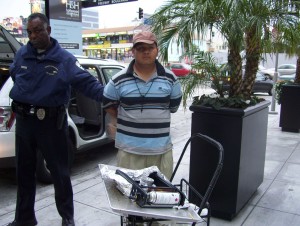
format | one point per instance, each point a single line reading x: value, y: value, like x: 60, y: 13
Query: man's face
x: 38, y: 33
x: 145, y: 53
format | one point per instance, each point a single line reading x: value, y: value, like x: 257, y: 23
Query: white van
x: 86, y: 117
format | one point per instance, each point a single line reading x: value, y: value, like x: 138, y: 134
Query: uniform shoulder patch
x: 79, y: 65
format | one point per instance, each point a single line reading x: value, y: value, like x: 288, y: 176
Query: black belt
x: 38, y: 111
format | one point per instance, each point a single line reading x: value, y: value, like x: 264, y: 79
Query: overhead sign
x: 87, y: 3
x: 65, y: 19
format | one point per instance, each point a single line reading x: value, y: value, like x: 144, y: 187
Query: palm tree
x: 290, y: 42
x: 245, y: 24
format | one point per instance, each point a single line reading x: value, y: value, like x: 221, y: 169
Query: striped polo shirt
x: 143, y: 122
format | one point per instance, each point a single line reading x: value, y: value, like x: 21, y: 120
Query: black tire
x: 42, y: 172
x: 270, y: 92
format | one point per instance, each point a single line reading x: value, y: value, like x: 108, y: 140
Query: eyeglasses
x: 143, y: 49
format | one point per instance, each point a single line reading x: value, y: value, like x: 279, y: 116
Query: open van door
x: 9, y: 45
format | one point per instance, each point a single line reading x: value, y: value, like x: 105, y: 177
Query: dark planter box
x: 243, y: 134
x: 290, y: 108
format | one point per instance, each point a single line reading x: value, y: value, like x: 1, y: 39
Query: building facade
x: 110, y: 43
x: 90, y: 19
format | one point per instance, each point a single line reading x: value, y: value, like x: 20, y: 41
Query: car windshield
x: 260, y: 77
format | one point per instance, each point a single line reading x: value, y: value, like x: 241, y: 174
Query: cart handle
x: 217, y: 172
x: 210, y: 140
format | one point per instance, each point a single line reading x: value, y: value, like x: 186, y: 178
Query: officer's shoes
x: 67, y: 222
x: 29, y: 223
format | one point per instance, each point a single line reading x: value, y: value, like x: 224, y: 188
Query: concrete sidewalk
x: 276, y: 202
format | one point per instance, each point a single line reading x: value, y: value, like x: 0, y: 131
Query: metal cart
x: 197, y: 212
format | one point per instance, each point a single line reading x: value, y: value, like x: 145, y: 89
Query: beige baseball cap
x: 144, y: 37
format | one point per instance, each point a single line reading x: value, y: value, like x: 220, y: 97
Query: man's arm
x: 176, y: 97
x: 112, y: 111
x: 83, y: 81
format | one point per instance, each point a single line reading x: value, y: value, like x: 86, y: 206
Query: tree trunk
x: 252, y: 61
x: 235, y: 70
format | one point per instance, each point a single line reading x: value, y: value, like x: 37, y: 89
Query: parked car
x: 260, y: 68
x: 86, y: 118
x: 262, y: 84
x: 283, y: 69
x: 286, y: 77
x: 180, y: 69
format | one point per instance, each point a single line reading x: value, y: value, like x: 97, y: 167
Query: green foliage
x: 255, y: 26
x: 216, y: 101
x: 278, y: 89
x: 204, y: 71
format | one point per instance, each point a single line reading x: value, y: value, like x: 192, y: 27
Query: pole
x: 273, y: 103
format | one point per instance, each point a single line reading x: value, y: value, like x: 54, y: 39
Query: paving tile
x: 298, y: 147
x: 7, y: 218
x: 295, y: 156
x: 83, y: 182
x: 237, y: 221
x: 94, y: 196
x: 8, y: 196
x: 286, y: 140
x: 267, y: 217
x: 290, y: 173
x: 282, y: 196
x: 272, y: 168
x: 279, y: 152
x: 260, y: 191
x: 85, y: 215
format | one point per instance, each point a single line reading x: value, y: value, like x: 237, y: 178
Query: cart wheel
x: 125, y: 221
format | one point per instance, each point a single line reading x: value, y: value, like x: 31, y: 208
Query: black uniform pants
x: 33, y: 134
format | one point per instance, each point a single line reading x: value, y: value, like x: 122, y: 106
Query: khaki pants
x: 164, y: 162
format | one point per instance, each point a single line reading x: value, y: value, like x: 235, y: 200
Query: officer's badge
x: 41, y: 113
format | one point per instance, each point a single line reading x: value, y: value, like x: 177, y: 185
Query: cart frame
x: 133, y: 215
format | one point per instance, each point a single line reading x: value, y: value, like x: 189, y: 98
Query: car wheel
x: 43, y: 173
x: 269, y: 76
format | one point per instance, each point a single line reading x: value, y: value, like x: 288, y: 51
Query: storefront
x: 116, y: 45
x: 112, y: 43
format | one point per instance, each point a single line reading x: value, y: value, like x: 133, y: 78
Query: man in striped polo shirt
x: 142, y: 98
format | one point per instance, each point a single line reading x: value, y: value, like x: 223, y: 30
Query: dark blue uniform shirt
x: 45, y: 79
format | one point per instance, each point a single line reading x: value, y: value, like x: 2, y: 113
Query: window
x: 176, y: 66
x: 110, y: 72
x: 92, y: 70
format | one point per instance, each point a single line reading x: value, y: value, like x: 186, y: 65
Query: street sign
x: 93, y: 3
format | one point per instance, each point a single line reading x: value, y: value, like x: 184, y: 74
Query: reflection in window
x: 110, y: 72
x: 93, y: 71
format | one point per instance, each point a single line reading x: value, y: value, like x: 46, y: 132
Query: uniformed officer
x: 43, y: 74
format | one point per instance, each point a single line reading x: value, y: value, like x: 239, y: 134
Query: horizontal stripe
x: 141, y: 100
x: 144, y: 125
x: 143, y: 130
x: 143, y: 135
x: 145, y: 116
